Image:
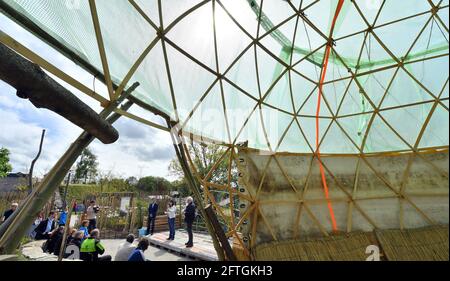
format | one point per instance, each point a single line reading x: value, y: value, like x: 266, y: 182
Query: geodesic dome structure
x: 335, y: 113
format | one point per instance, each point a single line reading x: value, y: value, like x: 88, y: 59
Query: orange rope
x: 322, y: 80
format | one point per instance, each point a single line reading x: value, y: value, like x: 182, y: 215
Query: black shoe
x: 169, y: 239
x: 189, y: 245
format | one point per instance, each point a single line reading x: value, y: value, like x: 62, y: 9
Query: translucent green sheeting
x: 247, y: 70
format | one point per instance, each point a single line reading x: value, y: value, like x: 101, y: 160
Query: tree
x: 5, y: 166
x: 204, y: 158
x: 132, y: 181
x: 87, y: 167
x: 182, y: 187
x: 154, y: 185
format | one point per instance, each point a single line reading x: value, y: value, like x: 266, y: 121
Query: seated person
x: 71, y: 235
x: 84, y: 228
x: 76, y: 241
x: 63, y: 217
x: 46, y: 226
x: 91, y: 248
x: 55, y: 241
x: 138, y: 253
x: 125, y: 249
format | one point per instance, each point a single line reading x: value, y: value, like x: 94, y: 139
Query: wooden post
x: 66, y: 230
x: 133, y: 214
x: 32, y: 83
x: 179, y: 150
x: 65, y: 191
x: 12, y: 231
x: 220, y: 234
x: 130, y: 208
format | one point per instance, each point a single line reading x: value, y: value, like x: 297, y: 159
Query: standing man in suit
x: 189, y: 217
x: 152, y: 213
x: 46, y: 226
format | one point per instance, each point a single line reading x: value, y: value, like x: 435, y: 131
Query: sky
x: 140, y: 150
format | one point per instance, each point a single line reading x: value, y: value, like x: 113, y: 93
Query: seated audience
x: 76, y: 241
x: 125, y: 249
x: 70, y: 235
x: 55, y: 240
x: 84, y: 228
x: 92, y: 248
x: 63, y: 217
x: 138, y: 253
x: 45, y: 227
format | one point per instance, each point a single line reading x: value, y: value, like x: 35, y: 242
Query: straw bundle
x: 425, y: 244
x: 239, y: 251
x: 350, y: 247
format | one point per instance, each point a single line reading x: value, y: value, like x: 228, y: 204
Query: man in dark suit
x: 46, y: 226
x: 189, y: 217
x: 152, y: 213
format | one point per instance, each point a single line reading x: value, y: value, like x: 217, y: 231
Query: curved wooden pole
x: 32, y: 83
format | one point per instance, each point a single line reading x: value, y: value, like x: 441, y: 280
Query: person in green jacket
x: 91, y: 248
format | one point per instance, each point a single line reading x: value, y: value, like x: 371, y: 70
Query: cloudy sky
x: 140, y: 151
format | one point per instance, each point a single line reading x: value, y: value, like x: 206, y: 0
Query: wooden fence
x: 113, y: 222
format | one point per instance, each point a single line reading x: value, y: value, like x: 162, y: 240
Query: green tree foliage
x: 5, y: 166
x: 204, y: 158
x: 182, y: 187
x: 87, y: 167
x: 117, y: 185
x: 132, y: 181
x: 154, y: 185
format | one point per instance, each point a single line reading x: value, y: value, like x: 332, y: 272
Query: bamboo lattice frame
x: 266, y: 29
x: 300, y: 14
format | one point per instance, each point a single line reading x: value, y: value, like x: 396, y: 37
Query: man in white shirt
x: 125, y: 249
x: 91, y: 212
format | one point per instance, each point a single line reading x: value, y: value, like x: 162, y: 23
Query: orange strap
x: 322, y: 80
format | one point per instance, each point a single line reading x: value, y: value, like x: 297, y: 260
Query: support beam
x: 12, y: 231
x: 101, y: 49
x: 193, y: 186
x: 32, y: 83
x: 66, y: 232
x: 69, y: 53
x: 220, y: 234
